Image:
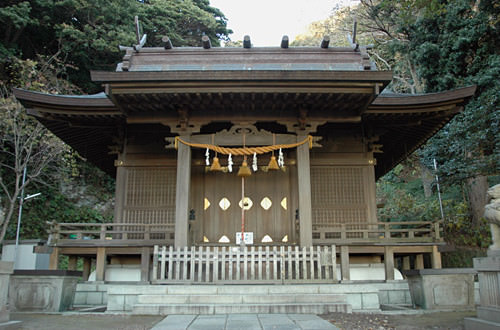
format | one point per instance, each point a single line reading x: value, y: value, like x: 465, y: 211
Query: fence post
x: 155, y: 263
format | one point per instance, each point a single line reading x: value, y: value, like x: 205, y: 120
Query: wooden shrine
x: 166, y: 111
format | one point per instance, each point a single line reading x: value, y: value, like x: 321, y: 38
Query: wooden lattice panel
x: 149, y: 195
x: 338, y: 196
x: 337, y: 185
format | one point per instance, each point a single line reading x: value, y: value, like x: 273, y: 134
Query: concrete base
x: 488, y: 313
x: 6, y: 269
x: 442, y: 289
x: 42, y: 291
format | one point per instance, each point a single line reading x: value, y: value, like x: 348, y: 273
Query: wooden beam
x: 246, y: 42
x: 325, y: 42
x: 284, y: 42
x: 141, y: 43
x: 145, y: 261
x: 54, y: 259
x: 182, y: 193
x: 389, y: 262
x: 205, y: 40
x: 100, y: 267
x: 406, y: 263
x: 167, y: 42
x: 87, y: 262
x: 345, y: 272
x: 419, y: 261
x: 304, y: 188
x: 436, y: 258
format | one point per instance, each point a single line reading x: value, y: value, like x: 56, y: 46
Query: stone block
x: 355, y: 301
x: 42, y: 291
x: 370, y: 301
x: 80, y: 298
x: 191, y: 289
x: 489, y: 314
x: 397, y: 296
x: 130, y: 301
x: 443, y: 289
x: 472, y: 323
x: 6, y: 269
x: 383, y: 297
x: 116, y: 303
x: 86, y: 287
x: 94, y: 298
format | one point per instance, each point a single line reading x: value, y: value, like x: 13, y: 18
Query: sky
x: 266, y: 21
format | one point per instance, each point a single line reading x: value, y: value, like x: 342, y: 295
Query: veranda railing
x: 235, y: 264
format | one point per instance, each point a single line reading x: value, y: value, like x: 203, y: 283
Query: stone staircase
x: 228, y: 299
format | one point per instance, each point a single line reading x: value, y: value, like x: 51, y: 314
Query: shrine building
x: 312, y: 127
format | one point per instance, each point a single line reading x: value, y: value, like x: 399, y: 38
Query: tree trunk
x: 427, y: 180
x: 478, y: 198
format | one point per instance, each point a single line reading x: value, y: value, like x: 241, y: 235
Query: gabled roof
x: 333, y: 85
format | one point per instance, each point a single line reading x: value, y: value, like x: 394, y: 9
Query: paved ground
x: 381, y: 321
x: 244, y: 322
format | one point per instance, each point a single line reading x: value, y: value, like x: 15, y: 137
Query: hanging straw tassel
x: 273, y: 164
x: 215, y: 165
x: 244, y: 171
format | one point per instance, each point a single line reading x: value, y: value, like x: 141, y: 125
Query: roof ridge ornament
x: 141, y: 41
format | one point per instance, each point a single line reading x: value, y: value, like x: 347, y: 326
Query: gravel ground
x: 413, y: 321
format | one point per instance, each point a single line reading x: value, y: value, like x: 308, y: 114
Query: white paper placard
x: 247, y: 238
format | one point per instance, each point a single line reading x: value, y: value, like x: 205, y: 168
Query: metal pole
x: 21, y: 200
x: 439, y: 190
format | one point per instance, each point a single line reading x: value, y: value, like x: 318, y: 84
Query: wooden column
x: 419, y: 261
x: 145, y: 261
x: 72, y: 260
x: 345, y: 271
x: 54, y: 259
x: 304, y: 187
x: 436, y: 257
x: 406, y: 263
x: 389, y: 262
x: 100, y: 267
x: 87, y: 262
x: 120, y: 190
x: 182, y: 193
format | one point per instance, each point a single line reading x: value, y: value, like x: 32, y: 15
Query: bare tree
x: 24, y: 144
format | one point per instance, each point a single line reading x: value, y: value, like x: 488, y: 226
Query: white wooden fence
x: 234, y: 264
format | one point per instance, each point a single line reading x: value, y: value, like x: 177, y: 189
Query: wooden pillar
x: 54, y: 259
x: 389, y: 262
x: 72, y: 260
x: 145, y: 261
x: 345, y: 271
x: 304, y: 188
x: 406, y: 263
x: 86, y: 268
x: 120, y: 190
x: 435, y: 257
x: 182, y: 193
x: 419, y: 261
x: 100, y: 267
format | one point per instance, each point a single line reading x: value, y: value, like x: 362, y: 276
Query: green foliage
x: 85, y: 34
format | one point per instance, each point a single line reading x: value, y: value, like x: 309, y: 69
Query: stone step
x: 472, y: 323
x: 240, y: 298
x: 489, y: 314
x: 293, y: 308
